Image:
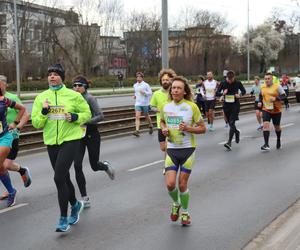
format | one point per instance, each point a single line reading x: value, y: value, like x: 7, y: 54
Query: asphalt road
x: 234, y: 195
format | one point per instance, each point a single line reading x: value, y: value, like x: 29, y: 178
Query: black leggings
x: 231, y: 112
x: 62, y: 157
x: 92, y: 141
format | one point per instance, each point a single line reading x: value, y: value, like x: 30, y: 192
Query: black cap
x: 230, y: 74
x: 57, y: 68
x: 83, y: 81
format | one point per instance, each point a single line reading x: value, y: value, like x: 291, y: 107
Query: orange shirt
x: 271, y: 91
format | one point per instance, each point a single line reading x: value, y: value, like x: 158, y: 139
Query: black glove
x: 74, y: 117
x: 45, y: 111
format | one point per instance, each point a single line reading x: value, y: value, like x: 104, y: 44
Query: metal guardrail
x: 121, y: 121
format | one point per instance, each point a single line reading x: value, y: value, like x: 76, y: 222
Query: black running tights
x: 62, y: 157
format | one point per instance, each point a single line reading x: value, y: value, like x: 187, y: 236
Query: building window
x: 2, y: 19
x: 3, y: 43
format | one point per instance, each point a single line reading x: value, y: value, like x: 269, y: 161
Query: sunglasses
x: 77, y: 85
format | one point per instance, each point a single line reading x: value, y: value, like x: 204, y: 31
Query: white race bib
x: 229, y: 98
x: 174, y: 121
x: 269, y: 105
x: 83, y: 128
x: 57, y: 113
x: 1, y: 127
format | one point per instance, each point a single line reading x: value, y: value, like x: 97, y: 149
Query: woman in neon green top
x: 60, y: 112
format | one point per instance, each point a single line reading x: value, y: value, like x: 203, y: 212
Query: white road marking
x: 13, y: 207
x: 287, y: 125
x: 146, y: 165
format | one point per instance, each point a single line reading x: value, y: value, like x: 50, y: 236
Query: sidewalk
x: 282, y: 234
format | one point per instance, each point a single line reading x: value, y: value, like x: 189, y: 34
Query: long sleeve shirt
x: 233, y: 88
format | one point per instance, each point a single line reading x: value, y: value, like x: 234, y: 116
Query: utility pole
x: 164, y: 35
x: 248, y: 46
x: 17, y: 49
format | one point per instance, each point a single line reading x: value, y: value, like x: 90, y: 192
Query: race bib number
x: 210, y: 92
x: 256, y: 95
x: 229, y: 98
x: 269, y: 105
x: 83, y: 128
x: 57, y: 113
x: 174, y: 121
x: 1, y: 127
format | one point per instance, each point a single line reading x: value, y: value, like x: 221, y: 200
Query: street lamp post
x: 248, y: 47
x: 17, y: 49
x: 165, y: 35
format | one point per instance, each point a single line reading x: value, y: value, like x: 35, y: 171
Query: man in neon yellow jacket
x: 60, y: 112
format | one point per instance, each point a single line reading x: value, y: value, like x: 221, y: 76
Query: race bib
x: 174, y: 121
x: 269, y: 105
x: 57, y: 113
x: 1, y: 127
x: 83, y: 128
x: 210, y: 92
x: 229, y: 98
x: 256, y: 95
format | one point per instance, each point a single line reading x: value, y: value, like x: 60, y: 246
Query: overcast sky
x: 234, y: 10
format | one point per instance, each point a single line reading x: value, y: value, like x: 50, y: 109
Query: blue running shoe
x: 11, y: 199
x: 63, y: 225
x: 75, y: 212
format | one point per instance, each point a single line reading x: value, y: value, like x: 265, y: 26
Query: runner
x: 9, y: 163
x: 210, y: 87
x: 297, y: 87
x: 200, y: 95
x: 270, y: 100
x: 142, y: 96
x: 180, y: 120
x: 229, y: 92
x: 60, y: 112
x: 91, y: 140
x: 6, y: 140
x: 159, y: 98
x: 285, y: 83
x: 255, y: 91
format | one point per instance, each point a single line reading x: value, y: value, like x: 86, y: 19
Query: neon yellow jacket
x: 56, y: 129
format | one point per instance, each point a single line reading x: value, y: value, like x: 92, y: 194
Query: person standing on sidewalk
x: 60, y: 112
x: 255, y: 91
x: 91, y: 140
x: 271, y: 96
x: 142, y: 96
x: 229, y: 92
x: 180, y: 121
x: 210, y: 87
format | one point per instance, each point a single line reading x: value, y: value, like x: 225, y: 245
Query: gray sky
x: 234, y: 10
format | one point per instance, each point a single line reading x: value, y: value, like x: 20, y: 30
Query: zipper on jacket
x: 56, y: 120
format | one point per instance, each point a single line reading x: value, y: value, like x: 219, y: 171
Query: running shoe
x: 265, y: 148
x: 110, y: 171
x: 11, y: 199
x: 63, y: 225
x: 175, y: 212
x: 136, y: 133
x: 228, y: 146
x: 278, y: 144
x: 86, y: 202
x: 185, y: 219
x: 237, y: 136
x: 4, y: 196
x: 26, y: 177
x: 151, y: 130
x: 75, y: 212
x: 260, y: 127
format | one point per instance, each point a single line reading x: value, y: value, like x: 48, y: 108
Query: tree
x: 265, y: 44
